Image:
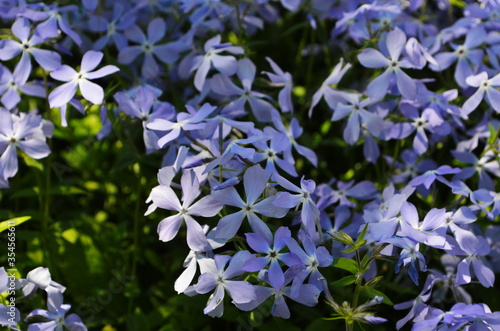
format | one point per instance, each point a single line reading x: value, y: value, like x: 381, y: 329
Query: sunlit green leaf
x: 13, y: 222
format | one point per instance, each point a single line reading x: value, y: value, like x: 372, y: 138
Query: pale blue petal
x: 8, y: 162
x: 167, y: 53
x: 64, y: 73
x: 493, y: 97
x: 378, y: 87
x: 201, y: 74
x: 90, y: 60
x: 35, y: 148
x: 156, y: 30
x: 206, y: 207
x: 104, y: 71
x: 48, y: 60
x: 240, y: 291
x: 169, y: 227
x: 484, y: 274
x: 406, y: 85
x: 61, y: 95
x: 196, y: 239
x: 225, y: 64
x: 128, y: 54
x: 276, y: 276
x: 91, y: 91
x: 371, y: 58
x: 396, y: 40
x: 472, y: 103
x: 229, y: 225
x: 206, y: 283
x: 9, y: 49
x: 255, y: 180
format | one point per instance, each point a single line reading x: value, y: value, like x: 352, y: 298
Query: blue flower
x: 255, y: 180
x: 23, y: 132
x: 222, y: 280
x: 409, y: 256
x: 164, y: 197
x: 272, y: 255
x: 92, y: 92
x: 166, y: 53
x: 372, y: 58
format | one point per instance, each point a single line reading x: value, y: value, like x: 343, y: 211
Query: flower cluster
x: 52, y: 319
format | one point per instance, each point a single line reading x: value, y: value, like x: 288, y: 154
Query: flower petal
x: 61, y: 95
x: 91, y: 91
x: 104, y: 71
x: 371, y: 58
x: 169, y: 227
x: 90, y: 60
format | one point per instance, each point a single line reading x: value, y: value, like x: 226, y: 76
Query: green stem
x: 44, y: 193
x: 137, y: 218
x: 221, y: 150
x: 196, y: 142
x: 359, y: 281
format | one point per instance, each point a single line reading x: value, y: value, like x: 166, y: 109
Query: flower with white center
x: 92, y: 92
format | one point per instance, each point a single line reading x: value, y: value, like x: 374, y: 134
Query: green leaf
x: 346, y: 264
x: 359, y: 242
x: 493, y: 135
x: 374, y: 281
x: 66, y: 190
x: 70, y: 235
x: 458, y: 3
x: 372, y: 293
x: 365, y: 264
x: 348, y: 280
x: 30, y: 162
x: 13, y: 222
x: 26, y: 193
x: 349, y: 250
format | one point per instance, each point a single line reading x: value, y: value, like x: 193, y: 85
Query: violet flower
x: 222, y: 280
x: 164, y: 197
x: 92, y: 92
x: 372, y: 58
x: 255, y: 180
x: 20, y: 132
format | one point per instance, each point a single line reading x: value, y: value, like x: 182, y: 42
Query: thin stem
x: 197, y: 143
x: 137, y: 218
x: 44, y: 192
x: 359, y: 281
x: 221, y: 150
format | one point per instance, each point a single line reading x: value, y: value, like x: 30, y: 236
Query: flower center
x: 419, y: 123
x: 111, y: 28
x: 461, y: 51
